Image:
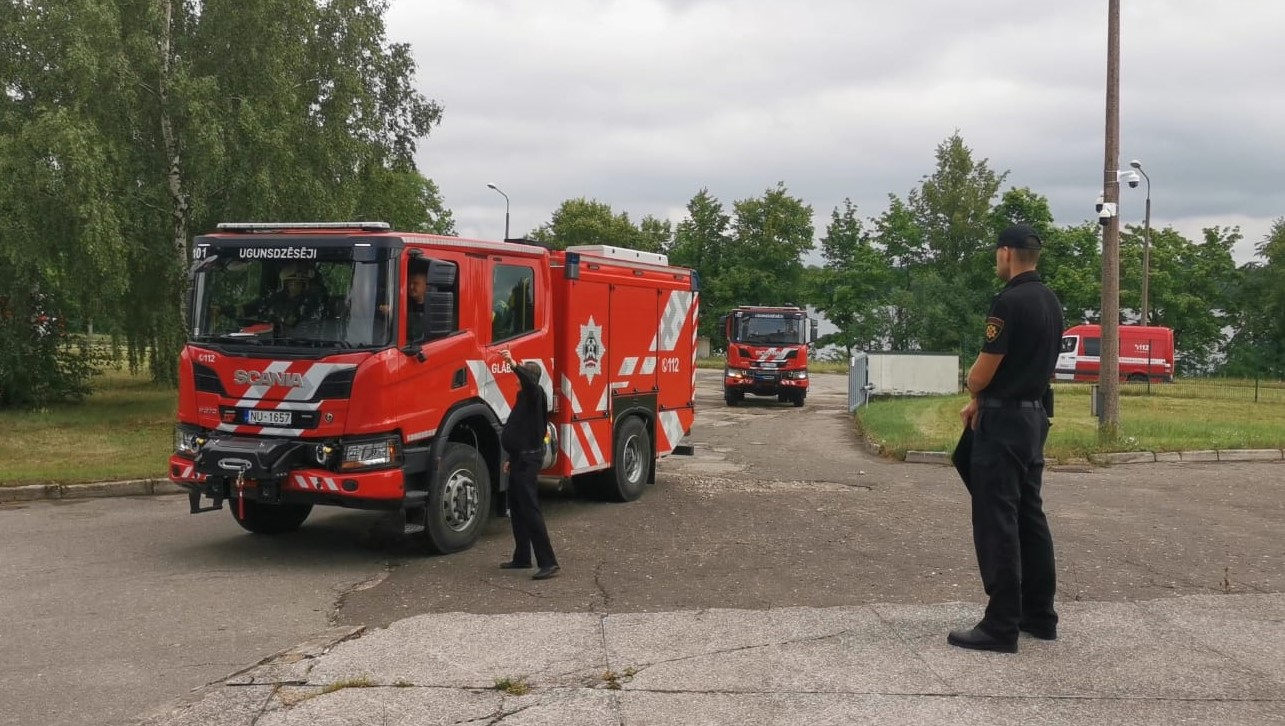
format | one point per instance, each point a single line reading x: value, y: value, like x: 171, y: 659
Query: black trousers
x: 529, y: 531
x: 1010, y: 531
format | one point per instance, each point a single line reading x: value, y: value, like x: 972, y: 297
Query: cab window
x: 512, y: 301
x: 1092, y: 347
x: 1069, y: 344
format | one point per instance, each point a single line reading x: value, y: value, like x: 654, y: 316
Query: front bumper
x: 765, y: 383
x: 377, y: 489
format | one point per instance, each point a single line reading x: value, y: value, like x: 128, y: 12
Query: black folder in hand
x: 962, y: 458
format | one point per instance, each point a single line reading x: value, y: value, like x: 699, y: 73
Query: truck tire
x: 631, y: 462
x: 733, y: 398
x: 459, y: 501
x: 1137, y: 378
x: 264, y: 518
x: 798, y: 398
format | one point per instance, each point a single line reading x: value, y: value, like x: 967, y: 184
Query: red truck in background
x: 767, y: 353
x: 1146, y: 353
x: 350, y: 365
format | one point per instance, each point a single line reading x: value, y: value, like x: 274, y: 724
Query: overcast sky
x: 641, y: 103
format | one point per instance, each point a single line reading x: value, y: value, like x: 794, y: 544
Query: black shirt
x: 1025, y: 325
x: 525, y: 429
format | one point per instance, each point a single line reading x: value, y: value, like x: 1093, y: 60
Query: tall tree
x: 701, y: 242
x: 1257, y: 304
x: 584, y: 221
x: 852, y: 289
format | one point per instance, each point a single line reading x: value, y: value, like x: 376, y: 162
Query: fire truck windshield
x: 318, y: 298
x: 770, y: 330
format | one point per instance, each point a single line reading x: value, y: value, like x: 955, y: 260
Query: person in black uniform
x: 523, y: 441
x: 1009, y: 417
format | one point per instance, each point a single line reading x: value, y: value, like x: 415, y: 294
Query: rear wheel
x: 631, y: 464
x: 1137, y: 377
x: 459, y: 501
x: 265, y: 518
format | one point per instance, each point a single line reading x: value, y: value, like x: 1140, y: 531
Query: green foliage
x: 584, y: 221
x: 129, y: 125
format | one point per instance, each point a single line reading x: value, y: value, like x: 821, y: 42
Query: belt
x: 1008, y: 403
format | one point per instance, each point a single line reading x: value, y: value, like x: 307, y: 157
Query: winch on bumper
x: 283, y: 471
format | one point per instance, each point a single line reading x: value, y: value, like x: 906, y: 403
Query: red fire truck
x: 347, y: 364
x: 767, y: 353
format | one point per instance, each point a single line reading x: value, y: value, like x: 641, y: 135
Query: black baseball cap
x: 1021, y: 236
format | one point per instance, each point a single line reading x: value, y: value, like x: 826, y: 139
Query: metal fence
x: 858, y: 381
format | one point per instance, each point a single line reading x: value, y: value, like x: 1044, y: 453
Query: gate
x: 858, y: 381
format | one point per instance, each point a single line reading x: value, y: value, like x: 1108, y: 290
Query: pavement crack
x: 638, y: 669
x: 918, y: 656
x: 502, y: 714
x: 263, y: 707
x: 344, y: 593
x: 597, y: 581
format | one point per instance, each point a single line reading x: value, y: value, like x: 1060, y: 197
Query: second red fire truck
x: 767, y: 353
x: 350, y: 365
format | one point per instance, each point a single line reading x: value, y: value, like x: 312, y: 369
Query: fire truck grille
x: 207, y: 381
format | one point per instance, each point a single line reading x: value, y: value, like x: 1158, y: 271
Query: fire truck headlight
x: 800, y: 375
x: 370, y: 453
x: 187, y: 440
x: 735, y: 373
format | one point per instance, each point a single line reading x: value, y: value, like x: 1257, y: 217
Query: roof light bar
x: 277, y: 226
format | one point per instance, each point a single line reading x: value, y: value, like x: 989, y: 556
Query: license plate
x: 257, y: 417
x: 766, y: 377
x: 769, y: 365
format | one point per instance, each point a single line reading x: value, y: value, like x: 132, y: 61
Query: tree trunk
x: 180, y: 207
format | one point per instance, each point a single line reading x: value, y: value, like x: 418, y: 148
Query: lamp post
x: 506, y: 208
x: 1146, y: 246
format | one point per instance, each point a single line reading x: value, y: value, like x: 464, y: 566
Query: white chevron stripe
x: 489, y: 389
x: 628, y: 365
x: 672, y: 425
x: 254, y: 393
x: 593, y: 443
x: 569, y: 392
x: 314, y: 377
x: 649, y: 365
x: 602, y: 402
x: 571, y: 448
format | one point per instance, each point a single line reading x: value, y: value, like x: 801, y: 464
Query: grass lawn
x: 123, y: 431
x: 1148, y: 423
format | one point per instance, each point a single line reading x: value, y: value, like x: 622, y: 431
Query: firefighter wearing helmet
x: 299, y: 298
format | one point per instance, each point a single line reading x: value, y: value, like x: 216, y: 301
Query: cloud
x: 641, y: 103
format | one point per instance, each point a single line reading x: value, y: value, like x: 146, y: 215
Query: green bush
x: 39, y: 362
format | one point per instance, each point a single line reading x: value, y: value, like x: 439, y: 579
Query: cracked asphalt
x: 781, y: 507
x: 114, y: 607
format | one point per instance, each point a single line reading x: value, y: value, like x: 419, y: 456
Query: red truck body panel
x: 1146, y: 352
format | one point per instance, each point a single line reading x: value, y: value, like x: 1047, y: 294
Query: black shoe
x: 511, y: 565
x: 978, y: 639
x: 1042, y: 632
x: 545, y: 573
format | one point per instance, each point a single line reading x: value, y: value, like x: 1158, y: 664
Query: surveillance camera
x: 1105, y: 213
x: 1098, y: 206
x: 1133, y: 183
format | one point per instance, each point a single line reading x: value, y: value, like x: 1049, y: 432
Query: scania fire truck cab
x: 347, y: 364
x: 767, y: 353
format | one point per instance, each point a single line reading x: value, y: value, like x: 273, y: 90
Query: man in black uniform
x: 523, y: 440
x: 1009, y: 417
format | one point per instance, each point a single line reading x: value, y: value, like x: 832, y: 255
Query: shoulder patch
x: 994, y: 326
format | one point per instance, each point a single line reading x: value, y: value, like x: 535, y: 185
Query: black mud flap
x: 194, y: 501
x: 684, y: 450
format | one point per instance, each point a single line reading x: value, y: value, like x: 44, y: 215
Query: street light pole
x: 1146, y: 247
x: 506, y: 208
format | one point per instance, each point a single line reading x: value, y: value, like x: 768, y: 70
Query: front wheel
x: 263, y: 518
x: 459, y: 501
